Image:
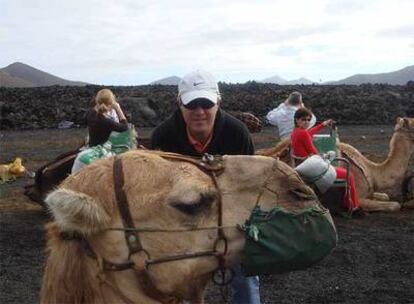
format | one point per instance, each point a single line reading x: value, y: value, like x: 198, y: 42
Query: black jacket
x: 230, y: 136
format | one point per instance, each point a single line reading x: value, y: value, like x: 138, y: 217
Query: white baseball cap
x: 198, y: 84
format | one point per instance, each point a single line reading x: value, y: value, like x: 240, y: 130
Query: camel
x: 279, y: 150
x: 164, y: 192
x: 51, y: 174
x: 372, y: 179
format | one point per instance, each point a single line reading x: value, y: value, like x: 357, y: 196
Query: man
x: 199, y: 126
x: 282, y: 116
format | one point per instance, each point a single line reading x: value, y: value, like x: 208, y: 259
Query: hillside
x: 274, y: 79
x: 172, y: 80
x: 399, y: 77
x: 22, y: 75
x: 300, y: 81
x: 281, y: 81
x: 9, y: 81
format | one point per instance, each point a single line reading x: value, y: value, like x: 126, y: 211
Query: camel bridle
x: 210, y: 165
x: 222, y: 276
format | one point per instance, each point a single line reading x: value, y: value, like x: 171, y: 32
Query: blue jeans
x: 245, y: 289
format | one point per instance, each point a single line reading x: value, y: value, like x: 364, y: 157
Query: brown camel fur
x: 162, y: 194
x: 279, y: 150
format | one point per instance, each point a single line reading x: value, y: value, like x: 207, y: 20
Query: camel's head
x: 405, y: 125
x: 173, y: 195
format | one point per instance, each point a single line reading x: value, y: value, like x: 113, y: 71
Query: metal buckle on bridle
x: 207, y: 158
x: 211, y: 164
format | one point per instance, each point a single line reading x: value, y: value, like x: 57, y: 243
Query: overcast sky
x: 131, y: 42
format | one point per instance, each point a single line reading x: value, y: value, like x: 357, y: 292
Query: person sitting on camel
x: 302, y: 147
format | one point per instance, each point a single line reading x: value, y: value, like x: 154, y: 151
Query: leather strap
x: 131, y: 237
x: 207, y: 163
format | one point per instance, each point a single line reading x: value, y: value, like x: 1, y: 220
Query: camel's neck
x: 72, y: 276
x: 401, y: 149
x: 394, y: 166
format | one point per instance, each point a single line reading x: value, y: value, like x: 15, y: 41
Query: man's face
x: 199, y: 116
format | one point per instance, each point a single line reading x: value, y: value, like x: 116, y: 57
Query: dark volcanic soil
x: 373, y: 262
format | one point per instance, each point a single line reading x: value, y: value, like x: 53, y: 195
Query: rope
x: 170, y: 230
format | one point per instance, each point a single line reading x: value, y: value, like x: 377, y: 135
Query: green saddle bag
x: 281, y: 240
x: 122, y: 141
x: 97, y: 152
x: 117, y: 143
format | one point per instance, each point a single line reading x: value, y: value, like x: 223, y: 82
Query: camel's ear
x: 77, y: 212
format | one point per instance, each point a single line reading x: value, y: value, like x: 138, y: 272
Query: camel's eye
x: 192, y: 208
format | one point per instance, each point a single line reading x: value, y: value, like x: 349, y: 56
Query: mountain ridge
x: 19, y: 74
x: 170, y: 80
x: 279, y: 80
x: 22, y: 75
x: 399, y: 77
x: 7, y: 81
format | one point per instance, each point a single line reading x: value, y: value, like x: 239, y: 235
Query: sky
x: 133, y: 42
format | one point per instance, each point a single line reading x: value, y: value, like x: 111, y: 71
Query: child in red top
x: 301, y: 137
x: 302, y: 146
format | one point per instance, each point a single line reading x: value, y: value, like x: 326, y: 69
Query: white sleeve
x: 313, y: 121
x: 112, y: 114
x: 272, y: 116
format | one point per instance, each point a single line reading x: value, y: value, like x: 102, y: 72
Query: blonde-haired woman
x: 98, y: 119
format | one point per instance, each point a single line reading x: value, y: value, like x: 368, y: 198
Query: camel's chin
x: 188, y: 286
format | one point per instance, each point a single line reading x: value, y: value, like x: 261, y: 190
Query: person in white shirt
x: 282, y: 116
